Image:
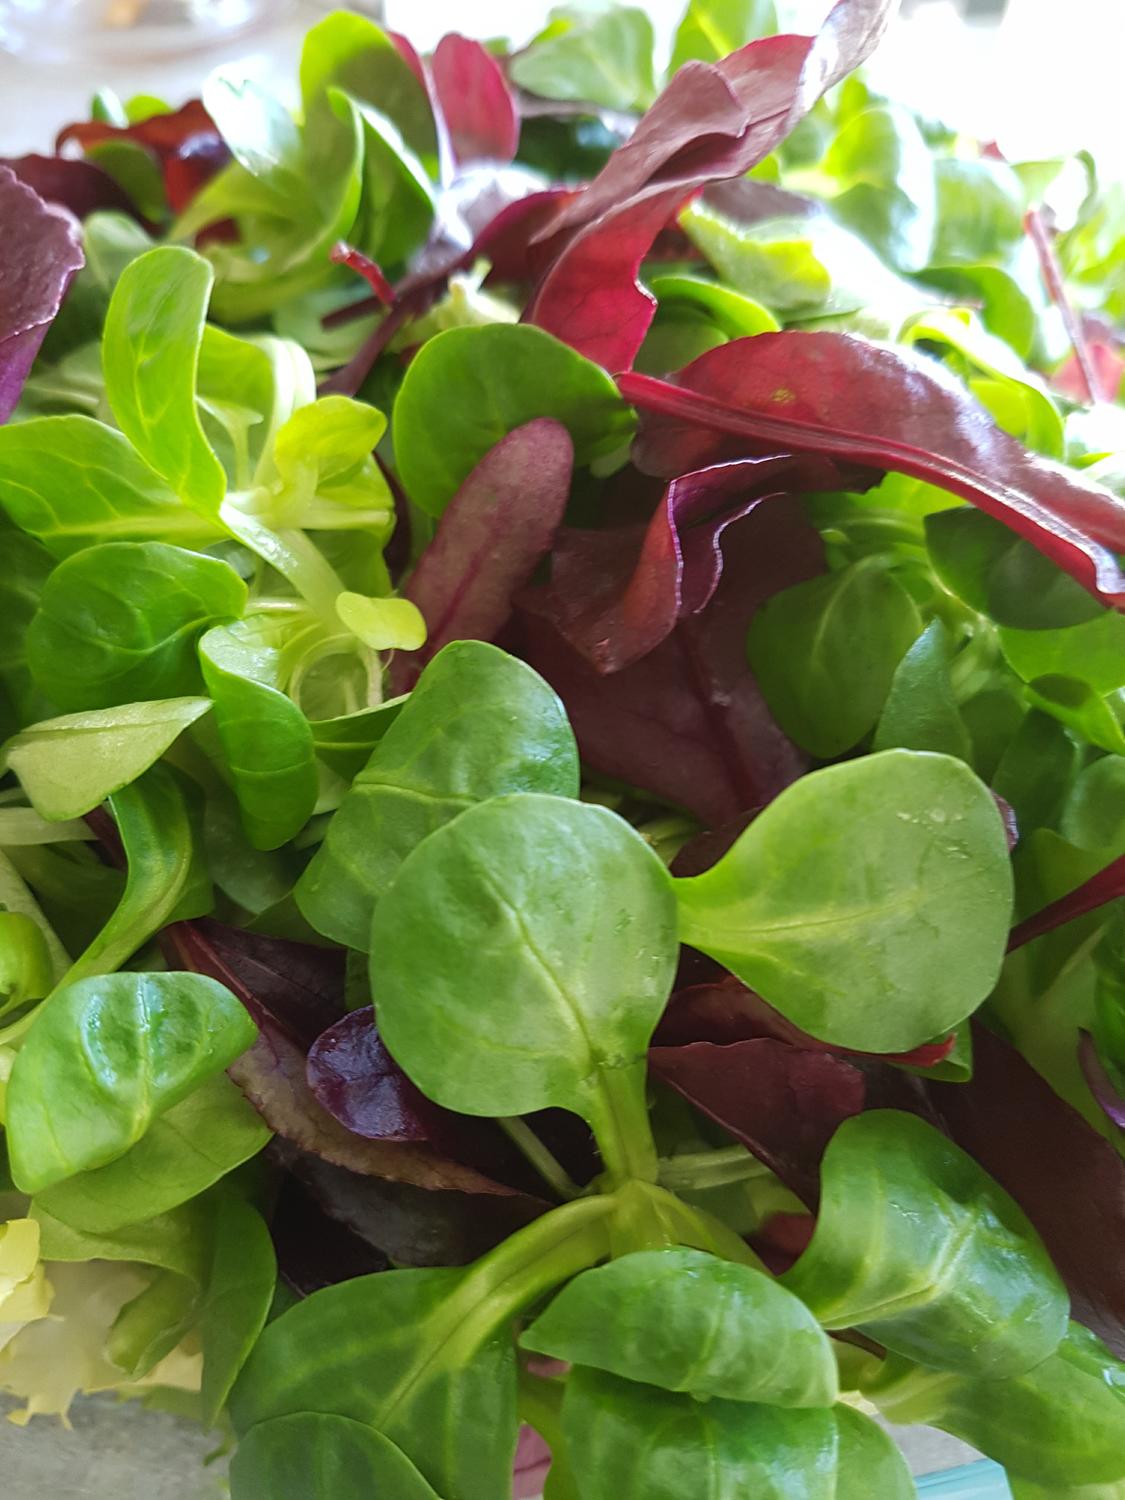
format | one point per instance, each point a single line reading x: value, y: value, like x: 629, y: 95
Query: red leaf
x: 356, y: 1079
x: 80, y: 186
x: 1107, y: 885
x: 687, y: 722
x: 783, y: 1103
x: 186, y: 143
x: 1067, y: 1178
x: 1108, y: 1097
x: 713, y: 121
x: 39, y: 253
x: 493, y: 533
x: 840, y: 396
x: 615, y: 594
x: 476, y: 101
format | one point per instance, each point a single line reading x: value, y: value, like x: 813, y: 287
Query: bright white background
x: 1047, y: 80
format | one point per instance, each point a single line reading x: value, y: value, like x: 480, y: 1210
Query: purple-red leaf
x: 80, y: 186
x: 687, y: 722
x: 356, y: 1079
x: 1106, y: 886
x: 845, y: 398
x: 615, y: 594
x: 39, y: 253
x: 783, y: 1103
x: 727, y: 1011
x: 475, y: 100
x: 186, y: 143
x: 713, y: 121
x: 490, y: 538
x: 1067, y: 1178
x: 1107, y: 1096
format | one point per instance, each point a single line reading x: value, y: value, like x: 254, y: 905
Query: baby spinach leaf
x: 599, y: 57
x: 478, y: 724
x: 869, y: 902
x: 689, y: 1322
x: 105, y: 1057
x: 150, y: 1326
x: 870, y: 1462
x: 469, y: 387
x: 69, y: 765
x: 150, y: 353
x: 541, y: 934
x: 317, y: 1456
x: 266, y: 739
x: 118, y: 623
x: 71, y: 481
x: 712, y: 28
x: 638, y: 1443
x: 825, y: 653
x: 181, y: 1154
x: 240, y: 1290
x: 921, y: 712
x: 920, y: 1248
x: 1062, y: 1422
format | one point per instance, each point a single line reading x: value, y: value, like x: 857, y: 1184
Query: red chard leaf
x: 851, y: 400
x: 476, y: 101
x: 615, y: 594
x: 783, y: 1103
x: 39, y: 254
x: 713, y: 121
x: 687, y: 723
x: 80, y: 186
x: 186, y: 144
x: 491, y: 537
x: 357, y: 1080
x: 1067, y: 1178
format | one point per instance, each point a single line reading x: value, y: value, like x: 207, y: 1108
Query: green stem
x: 618, y: 1116
x: 293, y: 556
x: 697, y: 1170
x: 552, y: 1173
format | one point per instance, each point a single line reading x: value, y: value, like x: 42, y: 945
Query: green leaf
x: 469, y: 387
x: 1077, y: 706
x: 397, y: 208
x: 150, y: 353
x: 165, y: 879
x: 870, y: 1462
x: 825, y: 653
x: 26, y: 568
x: 240, y: 1290
x: 921, y: 711
x: 601, y: 57
x: 105, y: 1057
x: 181, y: 1154
x: 917, y: 1246
x: 247, y: 387
x: 1036, y: 770
x: 316, y: 1456
x: 1062, y: 1423
x: 479, y: 723
x: 870, y: 902
x: 150, y: 1326
x: 980, y: 208
x: 635, y: 1442
x: 175, y: 1241
x: 69, y: 765
x: 266, y: 739
x: 688, y: 1322
x: 1005, y: 308
x: 71, y: 481
x: 118, y: 623
x: 1094, y: 814
x: 27, y: 970
x: 736, y: 315
x: 540, y: 933
x: 883, y: 173
x: 346, y: 742
x: 399, y: 1353
x: 711, y: 29
x: 984, y: 563
x: 258, y: 129
x: 1093, y: 652
x: 326, y: 476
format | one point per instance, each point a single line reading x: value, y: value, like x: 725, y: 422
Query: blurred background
x: 1039, y: 78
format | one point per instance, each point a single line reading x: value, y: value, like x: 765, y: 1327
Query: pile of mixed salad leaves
x: 562, y: 832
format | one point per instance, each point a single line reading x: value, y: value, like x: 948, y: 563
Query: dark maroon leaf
x: 490, y: 539
x: 726, y: 1011
x: 713, y: 121
x: 687, y: 722
x: 39, y: 253
x: 615, y: 594
x: 1107, y: 1095
x: 783, y: 1103
x: 475, y: 100
x: 1067, y: 1178
x: 186, y: 143
x: 840, y: 396
x: 356, y: 1079
x: 80, y: 186
x: 1106, y: 886
x: 782, y: 1240
x: 748, y: 201
x: 313, y: 1249
x: 705, y: 850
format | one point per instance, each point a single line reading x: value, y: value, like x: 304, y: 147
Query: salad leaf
x: 600, y: 57
x: 824, y: 920
x: 469, y: 387
x: 921, y: 710
x: 315, y: 1455
x: 107, y: 1056
x: 475, y: 100
x: 712, y: 28
x: 240, y: 1290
